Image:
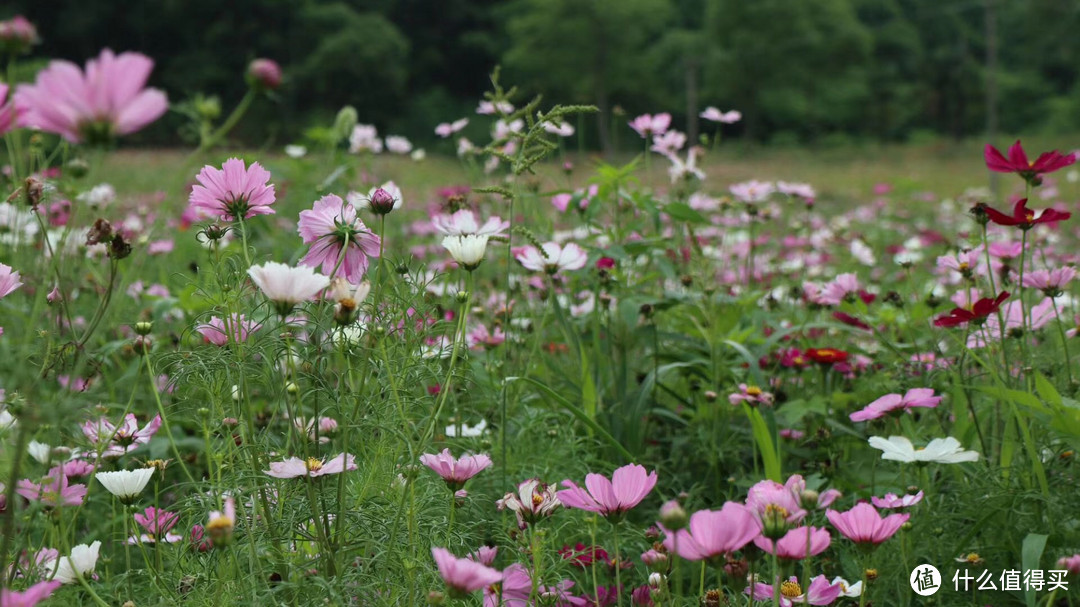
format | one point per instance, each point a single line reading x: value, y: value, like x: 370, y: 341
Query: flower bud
x: 435, y: 598
x: 808, y: 499
x: 656, y: 580
x: 144, y: 327
x: 382, y: 202
x: 292, y: 388
x: 77, y: 168
x: 673, y: 516
x: 54, y: 295
x: 774, y: 522
x: 264, y: 74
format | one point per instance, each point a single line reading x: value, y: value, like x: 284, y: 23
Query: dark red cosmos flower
x: 977, y: 314
x: 582, y: 556
x: 605, y: 263
x: 826, y: 356
x: 1018, y: 163
x: 848, y: 319
x: 1023, y: 217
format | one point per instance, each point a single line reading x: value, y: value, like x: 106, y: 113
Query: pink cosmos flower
x: 712, y: 533
x: 751, y: 395
x: 456, y: 472
x: 863, y: 525
x: 890, y: 403
x: 611, y: 498
x: 17, y: 35
x: 752, y: 191
x: 463, y: 576
x: 233, y: 191
x: 795, y: 543
x: 118, y: 440
x: 516, y: 589
x: 775, y: 505
x: 1018, y: 162
x: 7, y: 110
x: 9, y: 280
x: 482, y: 338
x: 1050, y: 282
x: 1038, y: 316
x: 820, y: 592
x: 29, y: 597
x: 220, y: 333
x: 1070, y: 564
x: 533, y: 501
x: 265, y: 73
x: 648, y: 126
x: 810, y: 500
x: 157, y: 523
x: 669, y: 143
x: 965, y: 262
x: 713, y: 114
x: 554, y: 258
x: 891, y: 500
x: 485, y: 555
x: 447, y: 129
x: 312, y: 467
x: 580, y: 200
x: 464, y: 222
x: 844, y: 286
x: 330, y: 226
x: 106, y: 100
x: 804, y: 191
x: 488, y: 108
x: 53, y: 491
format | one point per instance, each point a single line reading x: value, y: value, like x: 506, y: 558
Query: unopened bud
x: 673, y: 516
x: 382, y: 202
x: 264, y: 74
x: 144, y: 327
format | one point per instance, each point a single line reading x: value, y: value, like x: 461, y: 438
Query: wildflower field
x: 349, y: 371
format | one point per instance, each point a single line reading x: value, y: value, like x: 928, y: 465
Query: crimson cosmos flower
x: 977, y: 314
x: 826, y: 356
x: 1023, y: 217
x: 1018, y: 163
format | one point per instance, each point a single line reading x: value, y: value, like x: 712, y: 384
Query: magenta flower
x: 552, y: 257
x: 891, y: 500
x: 220, y: 333
x: 795, y: 543
x: 820, y: 592
x: 863, y: 525
x: 108, y: 100
x: 29, y: 597
x: 233, y: 191
x: 1018, y: 162
x: 118, y: 440
x: 776, y: 506
x: 7, y: 110
x: 647, y: 126
x: 1070, y: 564
x: 312, y: 467
x: 611, y: 498
x: 485, y: 555
x: 895, y: 403
x: 713, y: 533
x: 52, y: 492
x: 9, y: 280
x: 456, y: 472
x: 157, y: 523
x: 463, y: 576
x: 331, y: 227
x: 264, y: 73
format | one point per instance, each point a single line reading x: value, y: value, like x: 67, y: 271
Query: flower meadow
x: 284, y: 379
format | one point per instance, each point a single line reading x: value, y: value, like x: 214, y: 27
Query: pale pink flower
x: 481, y: 337
x: 842, y: 287
x: 648, y: 126
x: 554, y: 258
x: 29, y: 597
x: 890, y: 403
x: 776, y: 506
x: 752, y: 191
x: 581, y: 199
x: 118, y: 440
x: 365, y: 138
x: 287, y: 286
x: 797, y: 190
x: 533, y: 502
x: 1012, y: 312
x: 233, y: 329
x: 810, y: 499
x: 670, y: 142
x: 233, y: 191
x: 820, y: 592
x: 891, y: 500
x: 463, y: 576
x: 456, y: 472
x: 610, y: 498
x: 330, y: 226
x: 1006, y: 250
x: 447, y: 129
x: 488, y: 108
x: 485, y: 555
x: 713, y: 114
x: 797, y: 544
x: 562, y: 129
x: 17, y: 35
x: 1070, y: 564
x: 965, y: 262
x: 464, y: 222
x: 106, y: 100
x: 680, y: 170
x: 312, y: 467
x: 9, y: 280
x: 712, y: 533
x: 863, y: 525
x: 1050, y: 282
x: 7, y: 110
x: 53, y: 491
x: 396, y: 144
x: 751, y: 395
x: 157, y: 523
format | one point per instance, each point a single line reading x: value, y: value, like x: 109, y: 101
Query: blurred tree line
x: 799, y: 70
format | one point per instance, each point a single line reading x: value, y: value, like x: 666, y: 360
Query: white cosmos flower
x: 295, y: 151
x: 126, y: 484
x: 940, y: 450
x: 283, y: 284
x: 468, y: 250
x: 39, y: 451
x: 7, y: 420
x: 341, y: 289
x: 846, y: 587
x: 467, y: 431
x: 81, y: 563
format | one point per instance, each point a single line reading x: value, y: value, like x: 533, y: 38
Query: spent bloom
x: 456, y: 472
x: 312, y: 467
x: 333, y: 231
x: 287, y: 286
x: 554, y: 257
x: 940, y: 450
x: 533, y: 501
x: 126, y: 484
x: 610, y: 498
x: 234, y: 191
x: 863, y: 525
x: 891, y: 501
x: 108, y: 99
x: 713, y: 533
x: 896, y: 403
x: 463, y: 576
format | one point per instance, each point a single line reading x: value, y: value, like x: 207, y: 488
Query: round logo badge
x: 925, y: 580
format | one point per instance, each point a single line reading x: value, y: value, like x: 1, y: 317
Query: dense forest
x: 799, y: 70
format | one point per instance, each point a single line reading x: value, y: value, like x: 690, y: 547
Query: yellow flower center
x: 220, y: 523
x: 973, y: 558
x: 775, y: 510
x: 314, y: 465
x: 964, y: 266
x: 537, y: 500
x: 791, y: 589
x: 753, y: 391
x: 1030, y: 217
